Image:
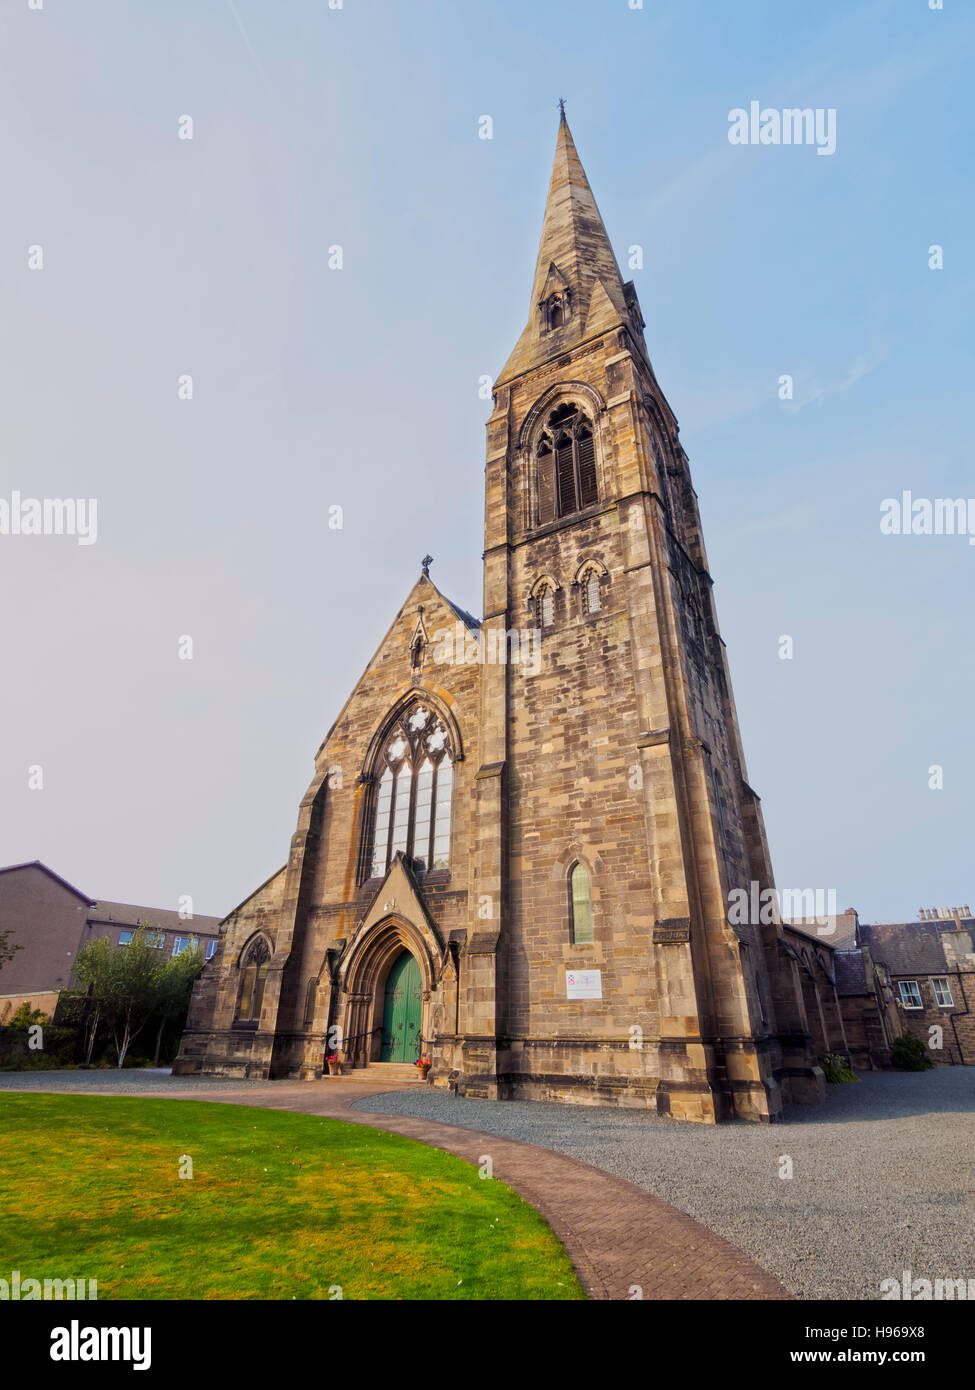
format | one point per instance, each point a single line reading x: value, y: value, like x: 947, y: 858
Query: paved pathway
x: 624, y: 1242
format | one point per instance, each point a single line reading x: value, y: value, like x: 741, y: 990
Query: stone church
x: 515, y: 855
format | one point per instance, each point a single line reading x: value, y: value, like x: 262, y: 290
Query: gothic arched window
x: 414, y: 775
x: 592, y: 592
x: 589, y: 579
x: 542, y: 602
x: 580, y: 905
x: 253, y: 973
x: 565, y: 462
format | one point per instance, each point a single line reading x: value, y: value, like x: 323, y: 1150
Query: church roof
x: 466, y: 618
x: 575, y: 258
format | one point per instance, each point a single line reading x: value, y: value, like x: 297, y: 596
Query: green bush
x: 837, y: 1068
x: 908, y: 1053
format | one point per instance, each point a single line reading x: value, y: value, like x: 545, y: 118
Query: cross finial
x: 426, y: 562
x: 562, y: 107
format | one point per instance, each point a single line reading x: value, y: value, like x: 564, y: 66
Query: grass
x: 280, y: 1206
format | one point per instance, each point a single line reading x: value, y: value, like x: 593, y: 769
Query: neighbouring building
x: 51, y: 920
x: 516, y: 853
x: 931, y: 965
x: 888, y: 979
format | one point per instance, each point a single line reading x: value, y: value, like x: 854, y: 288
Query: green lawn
x: 279, y: 1206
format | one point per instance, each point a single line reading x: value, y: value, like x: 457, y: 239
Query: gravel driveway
x: 882, y: 1175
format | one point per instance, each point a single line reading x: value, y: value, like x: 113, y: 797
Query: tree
x: 92, y: 968
x: 175, y: 984
x: 127, y: 982
x: 7, y: 947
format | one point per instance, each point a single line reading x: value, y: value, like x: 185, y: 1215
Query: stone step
x: 400, y: 1072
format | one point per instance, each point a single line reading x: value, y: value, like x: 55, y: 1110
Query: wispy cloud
x: 249, y: 46
x: 816, y: 390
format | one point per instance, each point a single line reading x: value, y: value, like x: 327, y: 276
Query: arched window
x: 541, y: 601
x: 590, y: 578
x: 565, y: 462
x: 556, y: 310
x: 591, y: 592
x: 253, y: 973
x: 412, y: 799
x: 580, y: 905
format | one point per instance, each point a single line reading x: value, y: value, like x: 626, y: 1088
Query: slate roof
x: 466, y: 618
x: 908, y: 948
x: 850, y: 972
x: 130, y: 915
x: 843, y: 939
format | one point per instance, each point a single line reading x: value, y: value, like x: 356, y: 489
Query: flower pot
x: 422, y: 1071
x: 335, y: 1068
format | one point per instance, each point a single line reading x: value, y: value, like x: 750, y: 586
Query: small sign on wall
x: 583, y: 984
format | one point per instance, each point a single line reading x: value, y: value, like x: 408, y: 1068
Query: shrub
x: 837, y: 1068
x: 908, y: 1053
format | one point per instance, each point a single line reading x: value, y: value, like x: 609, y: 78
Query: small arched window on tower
x: 556, y: 310
x: 580, y: 905
x: 591, y: 592
x: 590, y: 578
x: 253, y: 973
x: 565, y: 462
x: 542, y: 601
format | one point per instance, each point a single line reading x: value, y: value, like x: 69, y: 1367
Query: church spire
x: 578, y: 290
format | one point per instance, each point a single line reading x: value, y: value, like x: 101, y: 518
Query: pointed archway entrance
x: 388, y: 978
x: 402, y: 1011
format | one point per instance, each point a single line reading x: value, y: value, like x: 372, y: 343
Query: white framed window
x: 183, y: 943
x: 910, y: 994
x: 942, y: 991
x: 212, y: 949
x: 125, y: 937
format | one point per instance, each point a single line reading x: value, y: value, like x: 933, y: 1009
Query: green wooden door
x: 401, y: 1011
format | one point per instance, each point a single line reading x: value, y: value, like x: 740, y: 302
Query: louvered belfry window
x: 412, y: 794
x: 565, y: 458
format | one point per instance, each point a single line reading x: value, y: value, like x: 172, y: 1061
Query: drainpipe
x: 959, y: 1013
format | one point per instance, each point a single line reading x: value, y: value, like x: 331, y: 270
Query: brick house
x: 51, y: 920
x: 516, y: 852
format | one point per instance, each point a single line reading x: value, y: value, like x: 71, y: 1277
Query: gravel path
x: 882, y: 1175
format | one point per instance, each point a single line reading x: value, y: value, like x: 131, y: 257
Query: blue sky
x: 314, y: 387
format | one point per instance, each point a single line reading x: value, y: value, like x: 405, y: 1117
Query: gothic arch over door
x: 402, y: 1011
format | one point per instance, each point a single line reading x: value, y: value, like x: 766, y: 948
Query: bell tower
x: 612, y: 817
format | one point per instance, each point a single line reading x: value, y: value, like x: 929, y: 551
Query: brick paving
x: 619, y: 1238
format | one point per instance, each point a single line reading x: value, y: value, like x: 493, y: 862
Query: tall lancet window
x: 580, y: 905
x: 411, y: 806
x: 253, y: 973
x: 565, y: 463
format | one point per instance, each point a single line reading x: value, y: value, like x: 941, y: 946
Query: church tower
x: 519, y: 846
x: 613, y: 814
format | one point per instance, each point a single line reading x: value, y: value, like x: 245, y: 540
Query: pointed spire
x: 575, y: 259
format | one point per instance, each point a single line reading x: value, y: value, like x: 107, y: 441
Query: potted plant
x: 423, y: 1066
x: 334, y: 1064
